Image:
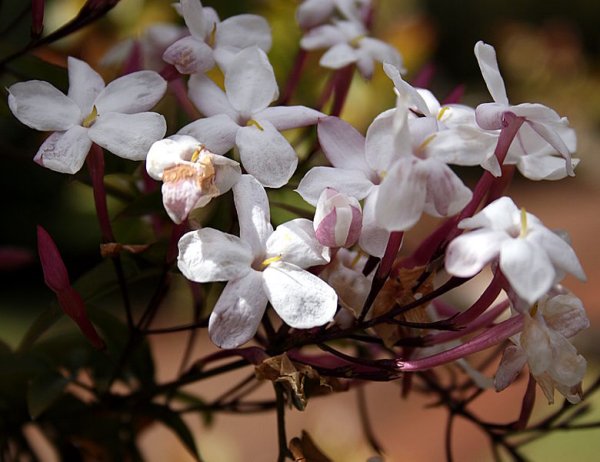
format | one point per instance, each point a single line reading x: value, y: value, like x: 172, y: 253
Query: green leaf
x: 173, y: 421
x: 43, y: 391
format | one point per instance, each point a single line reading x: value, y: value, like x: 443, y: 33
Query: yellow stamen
x: 356, y: 259
x: 255, y: 123
x: 533, y: 310
x: 196, y: 155
x: 427, y: 140
x: 268, y: 261
x: 523, y: 223
x: 212, y: 37
x: 91, y: 118
x: 355, y: 42
x: 442, y: 112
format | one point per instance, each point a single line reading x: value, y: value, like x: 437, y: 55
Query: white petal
x: 190, y: 55
x: 486, y: 57
x: 462, y: 145
x: 380, y: 149
x: 343, y: 145
x: 266, y: 154
x: 513, y: 360
x: 128, y: 135
x: 84, y: 84
x: 404, y: 88
x: 381, y: 52
x: 536, y: 343
x: 350, y: 182
x: 237, y: 314
x: 196, y: 18
x: 300, y: 298
x: 209, y: 255
x: 469, y: 253
x: 565, y: 314
x: 311, y: 13
x: 527, y: 268
x: 287, y: 117
x: 498, y: 215
x: 217, y: 133
x: 243, y: 31
x: 250, y: 82
x: 295, y: 242
x: 490, y: 116
x: 169, y: 152
x: 540, y: 167
x: 254, y: 217
x: 322, y: 37
x: 338, y: 56
x: 209, y: 98
x: 446, y: 193
x: 132, y: 93
x: 561, y: 253
x: 41, y: 106
x: 65, y: 152
x: 373, y: 238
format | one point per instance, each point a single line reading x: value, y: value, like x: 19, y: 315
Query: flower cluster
x: 324, y: 276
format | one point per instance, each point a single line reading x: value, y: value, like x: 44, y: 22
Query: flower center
x: 201, y: 170
x: 254, y: 123
x: 442, y: 112
x: 91, y: 118
x: 268, y: 261
x: 523, y: 232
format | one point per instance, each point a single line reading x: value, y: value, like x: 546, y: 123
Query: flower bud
x: 338, y: 219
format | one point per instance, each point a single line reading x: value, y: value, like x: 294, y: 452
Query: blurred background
x: 549, y: 52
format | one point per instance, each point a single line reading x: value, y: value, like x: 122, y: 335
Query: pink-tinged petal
x: 560, y: 252
x: 129, y: 136
x: 513, y: 361
x: 338, y: 219
x: 85, y: 84
x: 540, y: 167
x: 536, y: 112
x: 486, y: 57
x: 209, y: 255
x: 217, y: 133
x: 237, y: 314
x: 404, y: 88
x: 295, y: 242
x: 380, y: 149
x: 322, y: 37
x: 41, y: 106
x: 287, y: 117
x: 311, y: 13
x: 209, y: 98
x: 65, y: 152
x: 55, y: 272
x: 463, y: 145
x: 527, y: 268
x: 198, y: 19
x: 565, y: 314
x: 181, y: 197
x: 169, y: 152
x: 338, y: 56
x: 373, y: 238
x: 266, y: 154
x: 350, y: 182
x: 190, y: 56
x: 490, y: 116
x: 550, y: 135
x: 250, y: 81
x: 300, y: 298
x: 446, y: 193
x: 243, y: 31
x: 132, y: 93
x: 499, y: 215
x: 253, y: 212
x: 401, y: 197
x: 469, y: 253
x: 343, y: 145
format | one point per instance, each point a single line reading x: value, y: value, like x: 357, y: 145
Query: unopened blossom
x: 347, y: 42
x: 241, y: 117
x: 532, y: 257
x: 191, y: 174
x: 261, y: 266
x: 543, y: 127
x: 213, y: 41
x: 338, y: 219
x: 112, y: 116
x: 544, y: 346
x: 311, y: 13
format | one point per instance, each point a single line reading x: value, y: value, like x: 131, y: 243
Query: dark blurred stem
x: 365, y: 422
x: 294, y: 77
x: 448, y: 437
x: 284, y: 452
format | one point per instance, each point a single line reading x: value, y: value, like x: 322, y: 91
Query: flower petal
x: 311, y: 13
x: 243, y: 31
x: 300, y: 298
x: 380, y: 148
x: 338, y: 56
x: 565, y: 314
x: 190, y: 55
x: 196, y: 19
x: 217, y: 133
x: 324, y: 36
x: 65, y: 152
x: 446, y: 193
x: 42, y: 106
x: 253, y: 212
x: 85, y: 84
x: 128, y: 135
x: 373, y: 238
x: 350, y: 182
x: 209, y: 98
x: 343, y: 145
x: 132, y: 93
x: 295, y: 242
x: 469, y: 253
x: 498, y: 215
x: 266, y: 154
x: 287, y: 117
x: 250, y: 81
x: 486, y: 57
x: 169, y: 152
x: 513, y: 360
x: 209, y: 255
x: 560, y: 252
x: 237, y: 314
x: 544, y: 167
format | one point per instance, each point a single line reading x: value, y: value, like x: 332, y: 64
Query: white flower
x: 338, y: 219
x: 532, y: 257
x: 240, y: 117
x: 191, y: 174
x: 532, y: 157
x: 214, y: 41
x: 544, y: 346
x: 112, y: 116
x: 311, y: 13
x: 261, y: 266
x: 348, y: 43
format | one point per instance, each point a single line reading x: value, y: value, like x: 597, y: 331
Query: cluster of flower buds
x: 374, y: 188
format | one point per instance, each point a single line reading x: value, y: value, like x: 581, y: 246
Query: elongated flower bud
x: 338, y: 219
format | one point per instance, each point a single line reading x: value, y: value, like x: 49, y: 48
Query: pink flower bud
x: 338, y: 219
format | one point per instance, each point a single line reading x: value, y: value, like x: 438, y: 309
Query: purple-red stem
x: 95, y: 163
x: 294, y: 77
